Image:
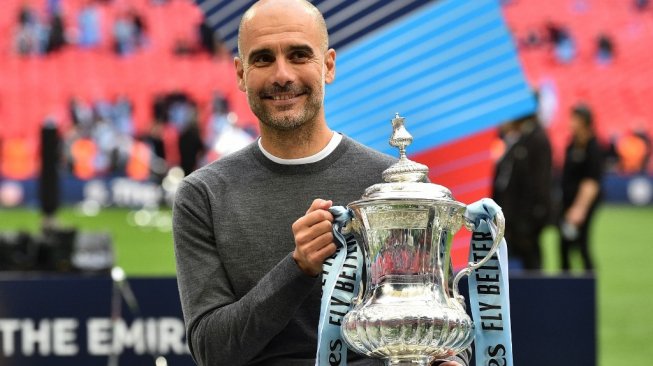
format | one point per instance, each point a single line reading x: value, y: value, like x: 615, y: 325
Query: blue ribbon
x: 341, y: 216
x: 488, y: 289
x: 341, y: 276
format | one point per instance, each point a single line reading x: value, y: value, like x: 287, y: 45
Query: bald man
x: 253, y: 229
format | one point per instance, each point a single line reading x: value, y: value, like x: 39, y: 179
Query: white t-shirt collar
x: 335, y: 140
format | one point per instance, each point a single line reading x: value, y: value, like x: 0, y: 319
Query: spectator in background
x: 206, y: 41
x: 122, y: 115
x: 49, y: 177
x: 633, y: 150
x: 207, y: 38
x: 101, y: 137
x: 564, y: 47
x: 56, y: 34
x: 211, y: 42
x: 140, y: 28
x: 604, y: 49
x: 129, y: 33
x: 30, y: 36
x: 81, y: 153
x: 124, y: 36
x: 88, y: 20
x: 222, y: 135
x: 172, y: 113
x: 645, y: 136
x: 81, y: 114
x: 522, y: 187
x: 581, y: 187
x: 555, y: 33
x: 218, y: 118
x: 141, y: 157
x: 155, y: 137
x: 191, y: 146
x: 565, y: 50
x: 106, y: 140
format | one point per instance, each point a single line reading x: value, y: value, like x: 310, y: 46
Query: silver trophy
x: 406, y: 313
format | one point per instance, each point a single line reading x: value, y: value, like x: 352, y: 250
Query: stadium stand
x: 34, y: 87
x: 617, y: 91
x: 37, y: 86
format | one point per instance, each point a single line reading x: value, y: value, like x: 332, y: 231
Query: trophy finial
x: 400, y: 137
x: 405, y: 170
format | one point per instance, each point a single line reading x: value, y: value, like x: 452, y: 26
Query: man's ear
x: 238, y: 63
x: 330, y: 66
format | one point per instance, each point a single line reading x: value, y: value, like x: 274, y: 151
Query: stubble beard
x: 276, y: 119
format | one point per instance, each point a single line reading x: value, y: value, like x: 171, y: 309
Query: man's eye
x: 299, y: 56
x: 263, y: 59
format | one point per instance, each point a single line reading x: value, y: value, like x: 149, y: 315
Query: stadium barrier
x: 124, y: 192
x: 62, y: 250
x: 59, y: 320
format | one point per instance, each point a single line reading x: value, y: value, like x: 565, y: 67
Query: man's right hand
x: 314, y: 237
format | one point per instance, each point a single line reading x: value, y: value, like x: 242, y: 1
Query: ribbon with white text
x: 488, y: 289
x: 340, y: 283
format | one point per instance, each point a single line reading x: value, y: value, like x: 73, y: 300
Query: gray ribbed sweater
x: 245, y: 301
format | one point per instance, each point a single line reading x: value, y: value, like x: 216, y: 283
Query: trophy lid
x: 405, y: 179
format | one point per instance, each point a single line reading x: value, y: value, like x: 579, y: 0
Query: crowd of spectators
x: 560, y: 40
x: 40, y: 33
x: 105, y: 127
x: 98, y: 134
x: 35, y: 36
x: 102, y: 142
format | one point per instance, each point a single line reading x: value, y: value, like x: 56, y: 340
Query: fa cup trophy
x: 406, y: 312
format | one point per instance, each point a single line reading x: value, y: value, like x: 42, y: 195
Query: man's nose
x: 283, y: 73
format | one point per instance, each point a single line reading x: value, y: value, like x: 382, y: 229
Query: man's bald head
x: 261, y: 6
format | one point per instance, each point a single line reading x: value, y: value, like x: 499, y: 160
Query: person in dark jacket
x: 522, y: 187
x: 581, y: 186
x: 49, y: 194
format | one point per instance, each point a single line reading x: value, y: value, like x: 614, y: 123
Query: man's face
x: 576, y: 124
x: 284, y: 67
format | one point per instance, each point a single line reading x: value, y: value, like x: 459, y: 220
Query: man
x: 581, y: 187
x: 522, y: 187
x: 249, y: 253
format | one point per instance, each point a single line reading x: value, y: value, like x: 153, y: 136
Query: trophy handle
x: 499, y: 225
x: 354, y: 228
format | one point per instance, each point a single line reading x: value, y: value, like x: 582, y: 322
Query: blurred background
x: 105, y: 105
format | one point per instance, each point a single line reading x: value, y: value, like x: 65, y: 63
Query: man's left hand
x: 450, y: 363
x: 576, y: 215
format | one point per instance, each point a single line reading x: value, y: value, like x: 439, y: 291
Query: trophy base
x: 422, y: 361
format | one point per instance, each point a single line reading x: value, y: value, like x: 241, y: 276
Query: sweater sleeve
x: 221, y: 328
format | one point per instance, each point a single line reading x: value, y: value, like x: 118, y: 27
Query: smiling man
x: 284, y: 72
x: 253, y: 229
x: 283, y: 67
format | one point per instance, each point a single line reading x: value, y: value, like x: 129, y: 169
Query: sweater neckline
x: 307, y: 168
x: 326, y: 151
